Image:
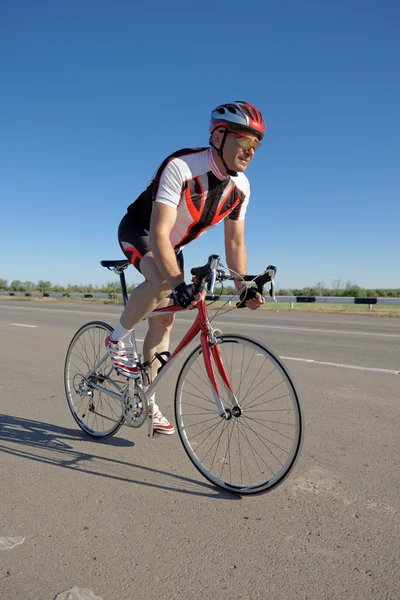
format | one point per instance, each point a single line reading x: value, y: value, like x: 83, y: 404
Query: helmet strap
x: 219, y: 152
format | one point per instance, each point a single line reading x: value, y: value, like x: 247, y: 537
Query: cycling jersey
x: 190, y: 182
x: 135, y: 242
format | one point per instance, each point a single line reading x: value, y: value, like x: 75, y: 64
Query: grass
x: 378, y: 310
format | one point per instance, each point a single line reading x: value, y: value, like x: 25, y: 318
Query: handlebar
x: 210, y: 273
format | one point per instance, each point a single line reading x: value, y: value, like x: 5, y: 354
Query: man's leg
x: 157, y: 337
x: 143, y: 299
x: 158, y: 334
x: 146, y: 296
x: 152, y: 293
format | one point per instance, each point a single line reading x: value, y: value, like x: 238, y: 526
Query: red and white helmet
x: 238, y: 115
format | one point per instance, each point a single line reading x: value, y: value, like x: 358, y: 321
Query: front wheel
x: 92, y: 386
x: 253, y: 450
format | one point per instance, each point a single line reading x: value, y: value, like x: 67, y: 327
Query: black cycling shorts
x: 134, y: 242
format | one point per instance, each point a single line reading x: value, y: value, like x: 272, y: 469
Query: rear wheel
x: 255, y: 448
x: 92, y: 385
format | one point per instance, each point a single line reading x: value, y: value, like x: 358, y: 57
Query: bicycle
x: 236, y: 408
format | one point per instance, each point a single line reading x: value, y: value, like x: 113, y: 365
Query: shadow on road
x: 48, y: 443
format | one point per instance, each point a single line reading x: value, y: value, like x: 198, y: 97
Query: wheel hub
x: 236, y: 411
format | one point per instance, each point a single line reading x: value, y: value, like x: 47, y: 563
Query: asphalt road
x: 130, y: 517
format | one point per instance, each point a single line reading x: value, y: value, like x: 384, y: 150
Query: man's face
x: 236, y: 157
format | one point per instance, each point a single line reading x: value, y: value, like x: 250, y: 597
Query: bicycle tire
x: 216, y: 452
x: 97, y: 413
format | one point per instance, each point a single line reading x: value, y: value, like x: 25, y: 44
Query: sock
x: 153, y: 397
x: 120, y: 333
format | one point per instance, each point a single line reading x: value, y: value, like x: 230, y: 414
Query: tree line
x: 338, y: 288
x: 47, y: 287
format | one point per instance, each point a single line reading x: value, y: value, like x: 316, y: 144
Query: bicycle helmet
x: 238, y: 115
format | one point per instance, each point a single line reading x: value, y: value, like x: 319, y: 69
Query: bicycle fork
x: 209, y: 341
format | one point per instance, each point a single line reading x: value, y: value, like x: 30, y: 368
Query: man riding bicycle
x: 192, y: 190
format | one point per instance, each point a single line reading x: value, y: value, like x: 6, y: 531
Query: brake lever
x: 272, y: 291
x: 266, y: 277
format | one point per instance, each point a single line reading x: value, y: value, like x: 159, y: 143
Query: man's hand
x: 250, y: 298
x: 186, y: 295
x: 199, y: 296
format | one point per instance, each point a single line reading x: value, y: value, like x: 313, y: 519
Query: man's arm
x: 236, y: 256
x: 163, y: 218
x: 235, y: 248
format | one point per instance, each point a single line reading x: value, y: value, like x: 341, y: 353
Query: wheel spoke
x: 206, y: 438
x: 267, y: 401
x: 262, y: 438
x: 255, y: 453
x: 268, y: 391
x: 202, y: 397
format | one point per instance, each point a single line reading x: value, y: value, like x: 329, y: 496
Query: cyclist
x: 191, y: 191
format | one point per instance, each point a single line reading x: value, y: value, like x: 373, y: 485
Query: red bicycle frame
x: 210, y: 350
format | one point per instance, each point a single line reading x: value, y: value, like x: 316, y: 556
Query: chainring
x: 134, y: 405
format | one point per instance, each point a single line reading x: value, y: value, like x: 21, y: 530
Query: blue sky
x: 95, y: 94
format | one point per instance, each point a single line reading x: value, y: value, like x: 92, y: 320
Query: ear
x: 217, y: 138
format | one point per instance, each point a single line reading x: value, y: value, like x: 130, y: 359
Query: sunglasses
x: 244, y: 141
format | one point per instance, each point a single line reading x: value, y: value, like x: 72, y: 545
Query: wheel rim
x: 251, y: 452
x: 96, y: 412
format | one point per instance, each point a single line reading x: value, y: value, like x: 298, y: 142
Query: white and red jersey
x: 190, y: 182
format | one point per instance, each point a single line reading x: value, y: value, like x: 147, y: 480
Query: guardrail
x: 328, y: 300
x: 334, y: 300
x: 290, y: 299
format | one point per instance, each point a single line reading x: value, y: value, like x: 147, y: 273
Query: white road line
x: 312, y: 330
x: 329, y: 364
x: 23, y: 325
x: 64, y: 310
x: 222, y: 323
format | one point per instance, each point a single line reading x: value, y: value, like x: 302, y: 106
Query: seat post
x: 123, y: 287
